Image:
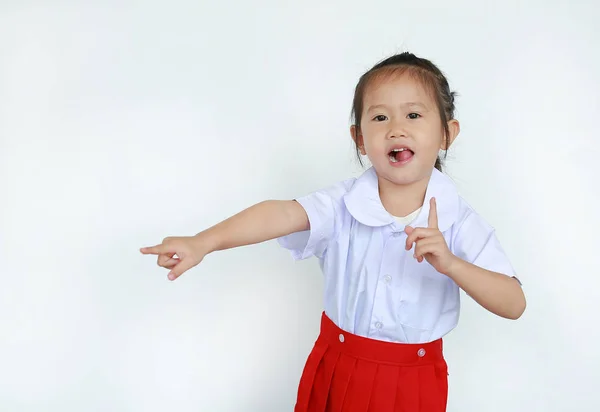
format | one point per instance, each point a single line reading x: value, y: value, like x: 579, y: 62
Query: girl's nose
x: 397, y: 129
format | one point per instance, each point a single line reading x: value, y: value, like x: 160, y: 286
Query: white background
x: 123, y: 122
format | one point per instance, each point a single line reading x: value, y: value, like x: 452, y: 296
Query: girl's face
x: 401, y: 130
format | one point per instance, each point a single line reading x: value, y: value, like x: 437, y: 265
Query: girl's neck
x: 402, y: 200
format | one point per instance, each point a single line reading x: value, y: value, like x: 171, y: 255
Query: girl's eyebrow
x: 407, y: 104
x: 416, y: 104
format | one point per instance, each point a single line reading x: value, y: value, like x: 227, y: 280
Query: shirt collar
x: 364, y: 204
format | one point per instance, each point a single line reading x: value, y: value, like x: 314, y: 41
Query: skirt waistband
x: 377, y: 350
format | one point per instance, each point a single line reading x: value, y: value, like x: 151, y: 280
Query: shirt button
x: 387, y: 278
x: 341, y: 338
x: 421, y: 352
x: 379, y: 325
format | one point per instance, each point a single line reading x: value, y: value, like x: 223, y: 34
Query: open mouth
x: 400, y: 155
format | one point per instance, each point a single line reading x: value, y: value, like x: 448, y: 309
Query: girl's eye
x: 380, y: 118
x: 414, y: 115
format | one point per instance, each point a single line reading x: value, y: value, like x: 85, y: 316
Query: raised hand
x: 430, y: 243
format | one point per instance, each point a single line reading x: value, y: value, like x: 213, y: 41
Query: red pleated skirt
x: 350, y: 373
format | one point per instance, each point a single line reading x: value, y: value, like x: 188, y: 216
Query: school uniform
x: 385, y: 314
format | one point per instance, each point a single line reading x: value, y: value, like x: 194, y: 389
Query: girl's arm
x: 263, y: 221
x: 496, y: 292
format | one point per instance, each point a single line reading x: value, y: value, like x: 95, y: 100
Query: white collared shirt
x: 373, y: 286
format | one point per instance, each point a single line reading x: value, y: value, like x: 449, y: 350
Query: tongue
x: 404, y: 155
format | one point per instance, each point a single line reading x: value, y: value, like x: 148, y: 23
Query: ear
x: 454, y: 130
x: 358, y: 139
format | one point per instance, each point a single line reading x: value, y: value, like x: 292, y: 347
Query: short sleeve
x: 321, y: 211
x: 477, y: 243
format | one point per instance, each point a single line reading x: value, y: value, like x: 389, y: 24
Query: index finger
x: 153, y: 250
x: 433, y: 219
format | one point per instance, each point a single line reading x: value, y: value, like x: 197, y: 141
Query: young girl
x: 395, y: 245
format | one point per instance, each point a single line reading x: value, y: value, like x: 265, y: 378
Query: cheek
x: 373, y: 146
x: 434, y: 139
x: 372, y: 138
